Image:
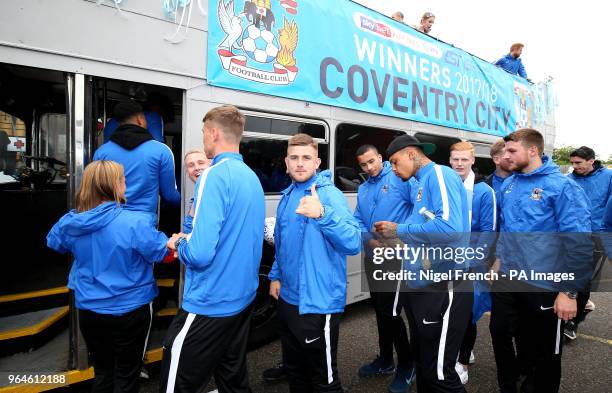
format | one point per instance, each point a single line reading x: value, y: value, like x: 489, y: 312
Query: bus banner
x: 343, y: 54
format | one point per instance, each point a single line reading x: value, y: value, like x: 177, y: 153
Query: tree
x: 561, y: 155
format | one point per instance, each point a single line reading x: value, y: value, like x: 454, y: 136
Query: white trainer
x: 462, y: 372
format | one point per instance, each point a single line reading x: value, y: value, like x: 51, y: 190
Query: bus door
x: 41, y: 157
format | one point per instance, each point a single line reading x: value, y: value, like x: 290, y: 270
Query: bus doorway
x: 35, y: 191
x: 52, y: 123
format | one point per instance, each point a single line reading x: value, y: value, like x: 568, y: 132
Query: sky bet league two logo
x: 253, y: 48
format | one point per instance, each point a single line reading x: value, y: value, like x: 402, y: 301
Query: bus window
x: 32, y: 189
x: 349, y: 137
x: 264, y: 148
x: 442, y: 154
x: 12, y: 146
x: 264, y: 125
x: 53, y: 142
x: 484, y: 165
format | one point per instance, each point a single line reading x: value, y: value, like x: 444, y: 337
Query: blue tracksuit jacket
x: 598, y: 188
x: 316, y: 270
x: 149, y: 172
x: 512, y: 65
x: 534, y: 206
x: 385, y: 197
x: 223, y: 253
x: 114, y: 250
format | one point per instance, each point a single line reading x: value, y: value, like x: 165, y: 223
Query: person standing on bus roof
x: 222, y: 254
x: 596, y: 181
x: 483, y: 213
x: 148, y: 164
x: 385, y: 196
x: 114, y: 251
x: 314, y: 233
x: 195, y: 163
x: 398, y: 16
x: 438, y: 312
x: 512, y: 61
x: 426, y: 24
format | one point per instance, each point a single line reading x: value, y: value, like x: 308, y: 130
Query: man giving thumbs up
x: 314, y: 233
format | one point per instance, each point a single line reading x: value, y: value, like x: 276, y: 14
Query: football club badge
x: 536, y: 194
x: 250, y: 49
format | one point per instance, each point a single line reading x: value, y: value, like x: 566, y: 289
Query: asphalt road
x: 587, y: 361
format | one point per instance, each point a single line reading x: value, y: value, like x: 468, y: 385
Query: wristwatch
x: 179, y: 241
x: 571, y: 294
x: 322, y: 213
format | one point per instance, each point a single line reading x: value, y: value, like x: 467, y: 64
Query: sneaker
x: 472, y: 358
x: 276, y: 373
x: 402, y: 381
x: 378, y: 366
x: 144, y: 374
x: 590, y: 306
x: 462, y: 372
x: 570, y: 330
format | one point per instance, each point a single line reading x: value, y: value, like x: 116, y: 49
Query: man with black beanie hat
x: 438, y: 312
x: 148, y: 164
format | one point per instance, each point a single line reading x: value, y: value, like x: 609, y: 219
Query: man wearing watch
x: 545, y: 230
x: 315, y: 231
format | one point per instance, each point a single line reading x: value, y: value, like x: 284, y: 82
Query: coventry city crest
x: 252, y: 48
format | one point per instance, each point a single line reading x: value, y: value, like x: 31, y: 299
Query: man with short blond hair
x: 195, y: 163
x: 230, y: 122
x: 221, y: 255
x: 314, y: 233
x: 483, y: 214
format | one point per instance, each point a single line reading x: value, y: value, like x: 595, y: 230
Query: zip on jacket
x: 321, y: 252
x: 535, y: 207
x: 385, y: 197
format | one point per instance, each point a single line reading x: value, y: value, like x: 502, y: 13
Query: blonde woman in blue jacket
x: 315, y: 231
x: 114, y: 251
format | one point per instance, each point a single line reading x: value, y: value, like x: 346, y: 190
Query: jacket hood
x: 130, y: 136
x: 324, y: 179
x: 79, y: 224
x: 548, y: 167
x: 386, y: 168
x: 597, y: 167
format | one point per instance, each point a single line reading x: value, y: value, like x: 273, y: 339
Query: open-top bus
x: 336, y: 70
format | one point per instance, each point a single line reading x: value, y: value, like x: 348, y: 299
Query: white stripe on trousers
x: 175, y: 353
x: 330, y: 372
x: 558, y: 339
x: 148, y: 331
x: 442, y: 347
x: 397, y: 291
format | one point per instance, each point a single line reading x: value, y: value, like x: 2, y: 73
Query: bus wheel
x: 263, y: 320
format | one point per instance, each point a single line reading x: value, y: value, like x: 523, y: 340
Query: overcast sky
x: 566, y: 40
